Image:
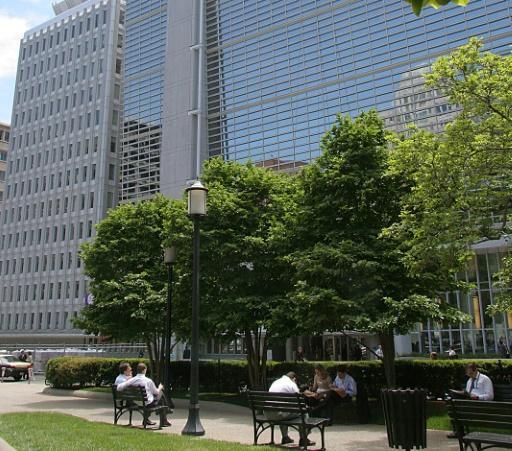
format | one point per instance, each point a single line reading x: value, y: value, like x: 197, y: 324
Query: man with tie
x: 478, y: 386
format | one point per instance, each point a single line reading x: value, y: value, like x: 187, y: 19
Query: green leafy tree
x: 244, y: 277
x: 418, y: 5
x: 462, y: 177
x: 349, y: 272
x: 127, y: 275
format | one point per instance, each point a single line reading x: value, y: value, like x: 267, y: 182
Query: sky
x: 16, y: 17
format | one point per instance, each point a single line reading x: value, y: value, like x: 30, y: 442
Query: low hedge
x: 228, y: 375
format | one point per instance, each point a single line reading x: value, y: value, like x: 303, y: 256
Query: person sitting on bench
x: 155, y: 394
x: 125, y: 373
x: 344, y: 386
x: 479, y: 386
x: 286, y: 384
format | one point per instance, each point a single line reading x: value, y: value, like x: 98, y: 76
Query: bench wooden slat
x: 489, y: 437
x: 288, y: 403
x: 503, y: 392
x: 476, y: 414
x: 135, y: 399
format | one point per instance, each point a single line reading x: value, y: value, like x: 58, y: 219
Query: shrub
x: 226, y: 375
x: 69, y: 372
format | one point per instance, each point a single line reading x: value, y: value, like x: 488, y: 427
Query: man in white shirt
x: 286, y: 384
x: 154, y: 393
x: 125, y: 373
x: 478, y: 386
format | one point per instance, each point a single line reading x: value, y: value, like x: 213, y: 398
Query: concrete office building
x: 63, y: 163
x: 5, y: 132
x: 263, y: 80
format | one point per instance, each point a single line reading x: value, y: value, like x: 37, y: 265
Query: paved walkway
x: 221, y: 421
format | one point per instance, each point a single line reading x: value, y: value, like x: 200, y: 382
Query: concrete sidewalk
x: 221, y: 421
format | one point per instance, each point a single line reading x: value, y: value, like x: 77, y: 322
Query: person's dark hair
x: 123, y: 366
x: 472, y: 367
x: 341, y: 369
x: 291, y: 375
x: 321, y: 369
x: 141, y: 367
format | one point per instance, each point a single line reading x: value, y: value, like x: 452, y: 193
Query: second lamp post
x: 196, y: 210
x: 169, y: 260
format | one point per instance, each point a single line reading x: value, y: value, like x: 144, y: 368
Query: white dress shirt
x: 482, y: 387
x: 284, y: 385
x: 120, y: 379
x: 141, y: 381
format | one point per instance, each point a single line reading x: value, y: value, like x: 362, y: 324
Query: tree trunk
x: 387, y: 341
x: 152, y: 343
x: 256, y: 359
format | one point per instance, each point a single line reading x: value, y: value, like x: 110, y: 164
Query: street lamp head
x: 170, y: 255
x: 196, y: 199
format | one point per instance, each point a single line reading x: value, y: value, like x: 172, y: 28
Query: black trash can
x: 406, y: 418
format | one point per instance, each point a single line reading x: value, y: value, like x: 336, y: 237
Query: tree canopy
x: 462, y: 177
x: 244, y: 277
x: 127, y: 275
x: 349, y: 273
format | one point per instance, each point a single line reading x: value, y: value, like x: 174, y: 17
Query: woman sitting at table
x: 321, y: 389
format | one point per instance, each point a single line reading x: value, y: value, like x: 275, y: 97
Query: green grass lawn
x: 55, y: 431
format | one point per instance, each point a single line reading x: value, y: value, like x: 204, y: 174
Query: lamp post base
x: 193, y: 426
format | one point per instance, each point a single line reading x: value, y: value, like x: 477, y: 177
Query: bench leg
x: 322, y: 434
x: 303, y: 434
x: 272, y: 435
x: 130, y: 423
x: 163, y: 414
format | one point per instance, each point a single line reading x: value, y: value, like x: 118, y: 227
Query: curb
x: 4, y: 446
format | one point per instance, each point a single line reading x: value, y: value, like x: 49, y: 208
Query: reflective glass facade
x: 482, y: 334
x: 143, y: 96
x: 279, y: 71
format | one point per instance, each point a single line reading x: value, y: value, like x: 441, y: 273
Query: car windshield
x: 11, y: 358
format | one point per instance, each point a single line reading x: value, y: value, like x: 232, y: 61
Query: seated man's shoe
x: 166, y: 423
x: 308, y: 442
x: 148, y: 422
x: 286, y: 440
x: 451, y: 435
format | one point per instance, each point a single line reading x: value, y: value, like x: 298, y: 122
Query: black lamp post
x: 196, y: 210
x: 169, y: 260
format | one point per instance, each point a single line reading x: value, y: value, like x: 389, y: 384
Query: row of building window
x: 71, y: 57
x: 38, y: 264
x: 35, y: 321
x: 45, y: 235
x: 70, y: 204
x: 60, y: 36
x: 47, y: 133
x: 69, y: 100
x: 50, y: 182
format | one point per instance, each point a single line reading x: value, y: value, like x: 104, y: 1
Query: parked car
x: 14, y: 367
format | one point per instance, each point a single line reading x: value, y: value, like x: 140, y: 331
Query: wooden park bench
x: 473, y: 419
x: 135, y: 399
x: 294, y: 404
x: 503, y: 392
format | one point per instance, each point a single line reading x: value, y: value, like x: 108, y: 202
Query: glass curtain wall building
x: 62, y: 167
x: 144, y: 53
x: 277, y: 73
